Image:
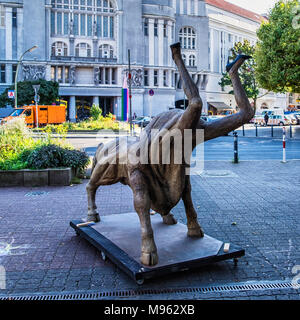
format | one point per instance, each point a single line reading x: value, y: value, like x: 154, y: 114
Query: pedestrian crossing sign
x: 11, y: 94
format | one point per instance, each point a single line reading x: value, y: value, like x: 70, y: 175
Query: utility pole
x: 17, y: 73
x: 36, y: 100
x: 130, y: 92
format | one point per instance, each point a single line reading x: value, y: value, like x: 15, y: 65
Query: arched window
x: 192, y: 60
x: 83, y: 50
x: 184, y: 58
x: 187, y: 38
x: 106, y: 51
x: 83, y: 17
x: 59, y: 49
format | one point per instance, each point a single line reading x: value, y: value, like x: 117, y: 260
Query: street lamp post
x: 17, y: 72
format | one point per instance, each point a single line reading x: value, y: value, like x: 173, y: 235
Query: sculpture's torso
x: 166, y: 182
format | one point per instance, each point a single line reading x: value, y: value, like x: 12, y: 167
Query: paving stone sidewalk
x: 256, y: 206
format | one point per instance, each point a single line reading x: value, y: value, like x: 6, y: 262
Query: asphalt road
x: 222, y: 148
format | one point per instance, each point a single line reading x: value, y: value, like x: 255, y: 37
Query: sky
x: 258, y: 6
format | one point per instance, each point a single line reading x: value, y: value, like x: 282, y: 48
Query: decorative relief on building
x: 72, y: 74
x: 137, y: 77
x: 33, y: 72
x: 96, y: 76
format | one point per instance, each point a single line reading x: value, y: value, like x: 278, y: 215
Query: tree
x: 246, y: 72
x: 48, y: 93
x: 277, y: 54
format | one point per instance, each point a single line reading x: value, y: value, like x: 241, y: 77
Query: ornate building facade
x: 83, y: 44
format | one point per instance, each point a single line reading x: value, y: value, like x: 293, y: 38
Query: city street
x: 255, y: 207
x: 250, y: 148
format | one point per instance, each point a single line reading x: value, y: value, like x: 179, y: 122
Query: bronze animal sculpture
x: 161, y: 186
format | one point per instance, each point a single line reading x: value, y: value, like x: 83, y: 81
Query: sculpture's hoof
x: 149, y: 259
x: 196, y: 232
x: 176, y: 49
x: 240, y: 56
x: 169, y: 219
x: 93, y: 217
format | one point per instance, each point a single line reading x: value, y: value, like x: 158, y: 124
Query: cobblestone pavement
x: 257, y: 208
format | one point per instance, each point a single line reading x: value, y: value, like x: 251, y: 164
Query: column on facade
x: 174, y: 5
x: 188, y: 6
x: 95, y: 48
x: 170, y: 80
x: 180, y: 6
x: 160, y: 42
x: 151, y: 77
x: 118, y: 108
x: 151, y: 42
x: 103, y: 75
x: 110, y: 76
x: 196, y: 10
x: 119, y: 36
x: 212, y: 51
x: 72, y: 47
x: 8, y: 36
x: 9, y: 73
x: 20, y: 46
x: 160, y: 77
x: 72, y: 109
x: 96, y: 100
x: 169, y: 26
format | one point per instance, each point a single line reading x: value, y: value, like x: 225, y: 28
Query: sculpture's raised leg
x: 227, y: 124
x: 142, y: 204
x: 194, y: 229
x: 192, y: 114
x: 93, y: 215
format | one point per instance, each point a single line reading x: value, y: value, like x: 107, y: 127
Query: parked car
x: 294, y: 119
x: 142, y: 121
x: 258, y: 120
x: 279, y: 120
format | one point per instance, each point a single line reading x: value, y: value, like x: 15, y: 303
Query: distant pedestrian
x: 266, y: 117
x: 134, y: 116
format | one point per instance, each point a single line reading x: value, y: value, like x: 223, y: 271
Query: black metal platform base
x: 118, y: 238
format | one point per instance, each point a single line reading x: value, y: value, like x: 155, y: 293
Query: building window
x: 187, y: 38
x: 2, y: 73
x: 14, y: 72
x: 192, y: 60
x: 67, y: 74
x: 146, y: 27
x: 106, y: 51
x: 53, y: 73
x: 2, y: 16
x: 83, y: 50
x: 14, y: 17
x: 79, y: 16
x: 113, y: 76
x: 165, y: 78
x: 155, y: 28
x: 155, y: 78
x: 59, y: 49
x: 184, y: 58
x: 165, y: 30
x: 146, y: 78
x: 60, y: 74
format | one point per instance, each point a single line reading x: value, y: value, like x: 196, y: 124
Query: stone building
x: 83, y: 44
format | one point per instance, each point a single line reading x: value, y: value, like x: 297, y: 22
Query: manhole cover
x: 217, y: 174
x: 36, y: 194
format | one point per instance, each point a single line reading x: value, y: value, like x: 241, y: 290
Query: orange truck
x: 46, y: 115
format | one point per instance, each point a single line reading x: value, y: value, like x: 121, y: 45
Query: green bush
x: 18, y: 150
x: 54, y: 156
x: 96, y: 112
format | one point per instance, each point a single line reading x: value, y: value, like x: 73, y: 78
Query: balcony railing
x: 84, y: 59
